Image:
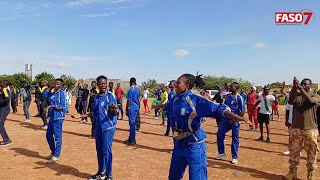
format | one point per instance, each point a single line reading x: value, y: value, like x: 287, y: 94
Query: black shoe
x: 166, y: 134
x: 260, y: 138
x: 268, y: 140
x: 5, y: 143
x: 97, y: 176
x: 128, y: 142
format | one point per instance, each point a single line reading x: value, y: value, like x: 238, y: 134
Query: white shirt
x: 290, y: 109
x: 145, y: 94
x: 269, y: 100
x: 224, y: 95
x: 67, y: 94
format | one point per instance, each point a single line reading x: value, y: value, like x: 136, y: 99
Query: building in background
x: 28, y: 70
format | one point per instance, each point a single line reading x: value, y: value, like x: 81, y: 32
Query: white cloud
x: 61, y: 65
x: 106, y: 14
x: 22, y: 8
x: 48, y: 4
x: 260, y: 45
x: 80, y: 3
x: 218, y: 44
x: 181, y: 53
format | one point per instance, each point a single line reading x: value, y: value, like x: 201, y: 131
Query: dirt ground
x: 148, y: 160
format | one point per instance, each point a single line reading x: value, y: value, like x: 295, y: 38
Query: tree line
x: 18, y: 79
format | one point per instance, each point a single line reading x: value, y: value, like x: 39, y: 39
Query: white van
x: 212, y: 93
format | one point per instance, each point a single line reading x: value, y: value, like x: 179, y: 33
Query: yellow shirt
x: 164, y: 97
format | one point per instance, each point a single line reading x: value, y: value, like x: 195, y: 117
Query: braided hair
x: 194, y: 81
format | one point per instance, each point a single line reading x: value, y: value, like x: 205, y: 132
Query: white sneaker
x: 287, y: 152
x: 156, y: 118
x: 221, y: 156
x: 234, y: 161
x: 53, y: 160
x: 27, y: 120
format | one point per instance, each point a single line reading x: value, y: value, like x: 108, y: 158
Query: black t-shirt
x: 37, y: 94
x: 85, y: 94
x: 218, y: 98
x: 93, y: 93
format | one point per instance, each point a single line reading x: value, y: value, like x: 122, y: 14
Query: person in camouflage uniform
x: 304, y: 129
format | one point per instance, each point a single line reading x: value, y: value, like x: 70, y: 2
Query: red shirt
x: 252, y: 98
x: 119, y: 92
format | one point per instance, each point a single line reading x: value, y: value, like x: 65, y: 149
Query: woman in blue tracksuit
x: 105, y: 114
x: 189, y: 138
x: 57, y: 103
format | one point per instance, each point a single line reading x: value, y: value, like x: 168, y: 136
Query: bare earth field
x: 148, y: 160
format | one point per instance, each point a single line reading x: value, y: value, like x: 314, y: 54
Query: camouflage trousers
x: 307, y: 140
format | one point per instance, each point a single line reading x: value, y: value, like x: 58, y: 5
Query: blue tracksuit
x: 56, y: 113
x: 104, y: 130
x: 188, y: 111
x: 171, y: 97
x: 133, y: 97
x: 237, y: 106
x: 158, y: 93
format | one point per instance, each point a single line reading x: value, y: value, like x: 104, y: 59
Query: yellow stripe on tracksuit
x: 5, y: 92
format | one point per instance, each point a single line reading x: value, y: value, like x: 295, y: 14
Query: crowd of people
x: 183, y: 111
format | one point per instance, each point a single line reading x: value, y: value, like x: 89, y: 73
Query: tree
x: 69, y: 81
x: 43, y: 76
x: 151, y: 83
x: 211, y: 82
x: 274, y: 85
x: 16, y: 79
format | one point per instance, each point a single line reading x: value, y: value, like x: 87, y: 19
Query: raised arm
x: 282, y: 88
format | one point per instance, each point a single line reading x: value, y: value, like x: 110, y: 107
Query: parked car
x: 212, y: 93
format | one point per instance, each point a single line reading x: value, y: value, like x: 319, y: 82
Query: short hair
x: 101, y: 77
x: 307, y: 79
x: 237, y: 84
x: 6, y: 82
x: 59, y: 79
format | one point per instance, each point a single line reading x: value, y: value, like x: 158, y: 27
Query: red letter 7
x: 309, y: 14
